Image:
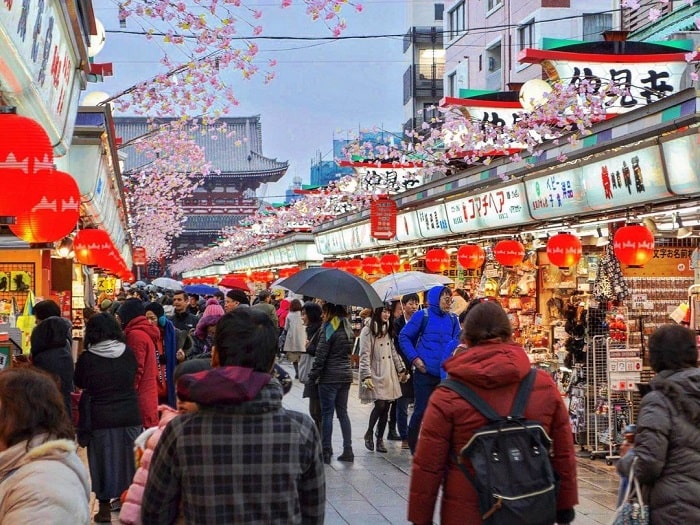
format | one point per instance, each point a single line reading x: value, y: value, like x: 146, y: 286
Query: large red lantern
x: 437, y: 260
x: 55, y: 210
x: 509, y: 252
x: 354, y: 266
x: 371, y: 265
x: 633, y: 245
x: 564, y: 250
x: 342, y: 264
x: 328, y: 264
x: 88, y: 245
x: 390, y: 263
x: 471, y: 256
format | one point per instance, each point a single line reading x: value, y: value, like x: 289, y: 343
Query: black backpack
x: 513, y: 475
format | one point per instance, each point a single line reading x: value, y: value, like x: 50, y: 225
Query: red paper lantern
x: 328, y: 264
x: 509, y: 252
x: 564, y: 250
x: 55, y: 211
x: 437, y: 260
x: 389, y: 263
x: 354, y: 266
x: 471, y: 256
x: 88, y: 245
x: 633, y: 245
x: 342, y: 265
x: 371, y: 265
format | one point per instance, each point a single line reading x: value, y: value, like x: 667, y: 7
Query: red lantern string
x: 509, y: 252
x: 633, y: 245
x: 564, y: 250
x: 471, y: 256
x: 437, y: 260
x: 390, y: 263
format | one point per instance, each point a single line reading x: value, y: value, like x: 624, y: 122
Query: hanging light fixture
x: 682, y: 232
x: 390, y: 263
x: 564, y: 250
x: 633, y: 245
x: 437, y: 260
x: 64, y: 248
x: 509, y: 252
x: 601, y: 240
x: 471, y: 256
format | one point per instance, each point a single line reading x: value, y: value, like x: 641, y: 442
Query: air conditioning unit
x: 492, y: 64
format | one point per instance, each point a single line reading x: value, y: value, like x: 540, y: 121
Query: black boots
x: 393, y: 435
x: 347, y: 455
x: 380, y: 445
x: 104, y: 515
x: 369, y: 440
x: 327, y: 454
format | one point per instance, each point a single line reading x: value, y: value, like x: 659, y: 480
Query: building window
x: 526, y: 35
x: 451, y: 86
x: 458, y: 20
x: 439, y: 11
x: 493, y: 58
x: 595, y: 24
x: 493, y: 4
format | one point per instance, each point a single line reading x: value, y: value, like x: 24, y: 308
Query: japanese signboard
x: 682, y: 157
x: 432, y: 221
x: 383, y: 218
x: 495, y: 208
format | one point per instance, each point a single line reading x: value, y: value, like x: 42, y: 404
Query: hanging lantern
x: 371, y: 265
x: 437, y: 260
x: 354, y: 266
x: 471, y: 256
x: 564, y: 250
x: 509, y: 252
x: 342, y: 265
x: 405, y: 266
x: 25, y: 152
x: 328, y: 264
x: 389, y: 263
x: 55, y: 211
x: 633, y: 245
x: 88, y: 244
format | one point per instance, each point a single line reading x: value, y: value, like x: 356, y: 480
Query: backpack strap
x: 523, y: 394
x: 423, y: 324
x: 472, y: 398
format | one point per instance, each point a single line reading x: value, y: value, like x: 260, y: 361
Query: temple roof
x: 237, y: 161
x: 207, y: 223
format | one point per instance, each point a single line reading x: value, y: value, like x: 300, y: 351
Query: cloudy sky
x: 322, y: 89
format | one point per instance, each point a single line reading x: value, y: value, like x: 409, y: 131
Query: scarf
x: 110, y: 348
x: 331, y: 326
x: 170, y: 349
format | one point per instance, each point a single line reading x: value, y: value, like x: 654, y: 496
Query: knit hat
x: 129, y: 310
x: 105, y: 305
x: 191, y: 366
x: 213, y: 308
x: 238, y: 295
x: 156, y: 308
x: 205, y: 322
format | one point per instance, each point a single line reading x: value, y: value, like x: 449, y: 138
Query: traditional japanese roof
x: 220, y: 147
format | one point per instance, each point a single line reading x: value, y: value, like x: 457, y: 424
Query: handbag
x: 162, y: 380
x: 633, y: 510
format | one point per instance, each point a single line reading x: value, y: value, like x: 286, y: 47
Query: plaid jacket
x: 244, y: 462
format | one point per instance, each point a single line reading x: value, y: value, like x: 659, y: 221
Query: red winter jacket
x: 141, y: 337
x: 493, y: 370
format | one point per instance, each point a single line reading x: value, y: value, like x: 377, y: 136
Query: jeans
x: 334, y: 397
x: 423, y: 386
x: 402, y: 416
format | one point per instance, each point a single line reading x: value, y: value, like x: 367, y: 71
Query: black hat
x: 156, y: 308
x: 129, y: 310
x: 238, y: 295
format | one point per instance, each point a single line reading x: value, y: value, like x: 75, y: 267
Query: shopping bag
x: 633, y: 510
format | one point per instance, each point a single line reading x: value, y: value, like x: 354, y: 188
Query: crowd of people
x: 192, y: 390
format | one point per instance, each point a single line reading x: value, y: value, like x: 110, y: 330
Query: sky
x: 322, y: 89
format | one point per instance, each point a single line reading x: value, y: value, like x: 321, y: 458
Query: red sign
x: 139, y: 256
x: 383, y: 218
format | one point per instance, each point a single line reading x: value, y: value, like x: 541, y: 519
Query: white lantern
x: 97, y: 42
x: 534, y: 93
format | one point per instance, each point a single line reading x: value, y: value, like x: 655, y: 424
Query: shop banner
x: 330, y: 243
x: 432, y: 221
x: 629, y: 179
x: 496, y: 208
x: 682, y: 158
x: 407, y: 227
x: 556, y: 195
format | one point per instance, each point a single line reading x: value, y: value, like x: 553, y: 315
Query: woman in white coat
x: 381, y: 373
x: 295, y: 335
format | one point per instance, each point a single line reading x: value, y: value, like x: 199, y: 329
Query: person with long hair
x: 331, y: 370
x: 311, y: 315
x: 381, y: 373
x: 106, y: 371
x: 42, y: 478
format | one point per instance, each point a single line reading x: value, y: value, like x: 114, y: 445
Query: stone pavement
x: 374, y: 489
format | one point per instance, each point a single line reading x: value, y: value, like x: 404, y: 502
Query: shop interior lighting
x: 601, y: 240
x: 682, y: 232
x: 651, y: 225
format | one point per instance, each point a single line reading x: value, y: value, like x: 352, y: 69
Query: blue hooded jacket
x: 442, y: 328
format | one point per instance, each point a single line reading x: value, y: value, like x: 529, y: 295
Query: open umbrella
x: 201, y: 289
x: 401, y: 283
x: 333, y: 285
x: 233, y: 282
x: 167, y: 284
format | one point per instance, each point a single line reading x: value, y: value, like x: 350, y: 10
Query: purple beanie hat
x: 205, y: 322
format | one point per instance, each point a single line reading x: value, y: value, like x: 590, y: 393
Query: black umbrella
x: 333, y: 285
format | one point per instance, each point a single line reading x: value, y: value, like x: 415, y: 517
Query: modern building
x: 226, y: 197
x: 423, y: 79
x: 482, y: 39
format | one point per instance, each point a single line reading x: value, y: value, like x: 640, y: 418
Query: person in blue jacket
x: 423, y: 342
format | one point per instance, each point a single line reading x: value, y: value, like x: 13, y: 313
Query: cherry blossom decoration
x: 216, y: 36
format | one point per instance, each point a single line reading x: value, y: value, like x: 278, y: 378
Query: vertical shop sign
x: 139, y: 256
x: 432, y: 221
x: 383, y: 218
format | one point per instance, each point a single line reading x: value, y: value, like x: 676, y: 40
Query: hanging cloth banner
x: 26, y: 322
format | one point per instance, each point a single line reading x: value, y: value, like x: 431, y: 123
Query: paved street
x: 374, y: 489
